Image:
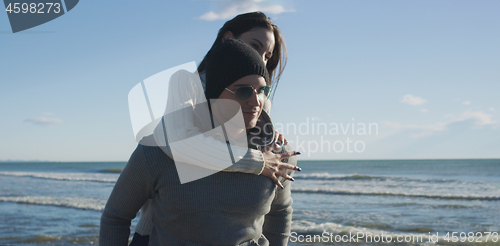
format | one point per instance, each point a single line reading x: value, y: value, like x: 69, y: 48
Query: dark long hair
x: 245, y: 22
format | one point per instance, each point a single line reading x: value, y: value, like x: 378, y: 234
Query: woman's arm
x: 186, y: 105
x: 277, y: 224
x: 187, y: 117
x: 132, y: 189
x: 271, y: 157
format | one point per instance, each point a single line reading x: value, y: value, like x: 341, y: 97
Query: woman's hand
x: 279, y: 140
x: 272, y: 161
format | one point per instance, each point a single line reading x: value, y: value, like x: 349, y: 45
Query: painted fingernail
x: 298, y: 153
x: 292, y: 179
x: 299, y: 169
x: 282, y: 187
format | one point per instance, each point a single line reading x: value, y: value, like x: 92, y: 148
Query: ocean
x: 410, y: 202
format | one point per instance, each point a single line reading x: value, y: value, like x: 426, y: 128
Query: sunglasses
x: 243, y: 93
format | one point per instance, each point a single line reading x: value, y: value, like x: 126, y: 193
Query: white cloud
x: 424, y: 130
x: 466, y: 103
x: 44, y: 121
x: 413, y: 100
x: 424, y: 110
x: 432, y: 127
x: 492, y: 109
x: 229, y: 9
x: 480, y: 119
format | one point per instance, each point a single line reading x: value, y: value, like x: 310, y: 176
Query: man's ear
x: 227, y: 35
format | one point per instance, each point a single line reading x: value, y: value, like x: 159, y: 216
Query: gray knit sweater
x: 225, y: 208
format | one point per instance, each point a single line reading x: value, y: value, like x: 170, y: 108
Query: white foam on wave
x: 304, y: 227
x: 327, y: 176
x: 355, y: 176
x: 95, y: 177
x: 334, y: 191
x: 70, y: 202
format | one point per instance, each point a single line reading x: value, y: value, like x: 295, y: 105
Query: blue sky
x: 426, y: 73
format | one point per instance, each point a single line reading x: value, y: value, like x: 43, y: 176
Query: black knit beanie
x: 229, y: 61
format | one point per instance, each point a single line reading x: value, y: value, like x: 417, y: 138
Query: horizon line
x: 399, y: 159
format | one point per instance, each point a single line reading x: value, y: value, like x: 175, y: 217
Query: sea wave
x: 304, y: 228
x: 394, y: 194
x: 70, y: 202
x: 49, y: 239
x: 328, y: 176
x: 361, y: 177
x: 104, y: 178
x: 111, y: 170
x: 44, y: 238
x: 438, y: 206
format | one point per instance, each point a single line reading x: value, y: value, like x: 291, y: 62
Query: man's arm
x: 132, y: 189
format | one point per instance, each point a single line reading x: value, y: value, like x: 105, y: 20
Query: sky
x: 364, y: 79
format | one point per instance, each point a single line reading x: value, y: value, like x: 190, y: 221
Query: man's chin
x: 250, y: 123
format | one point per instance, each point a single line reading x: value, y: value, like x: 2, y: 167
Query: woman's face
x: 261, y: 39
